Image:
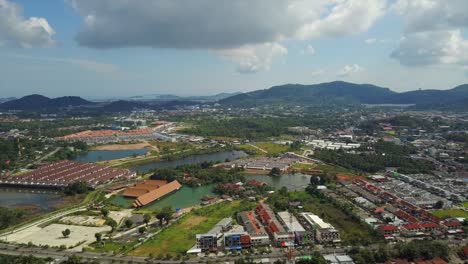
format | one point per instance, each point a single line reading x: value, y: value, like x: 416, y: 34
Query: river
x: 102, y: 155
x: 193, y: 159
x: 42, y: 200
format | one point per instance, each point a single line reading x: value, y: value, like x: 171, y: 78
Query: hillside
x: 343, y: 93
x: 37, y: 102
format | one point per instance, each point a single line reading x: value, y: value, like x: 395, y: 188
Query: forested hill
x: 38, y: 102
x: 344, y: 93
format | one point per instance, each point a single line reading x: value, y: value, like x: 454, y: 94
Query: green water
x: 183, y: 198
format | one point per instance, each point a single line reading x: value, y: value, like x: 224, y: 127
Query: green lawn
x: 180, y: 237
x: 450, y: 213
x: 465, y: 204
x: 272, y: 148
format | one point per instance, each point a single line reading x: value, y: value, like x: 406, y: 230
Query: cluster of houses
x: 402, y: 217
x: 264, y: 227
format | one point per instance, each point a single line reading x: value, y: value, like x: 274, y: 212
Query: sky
x: 110, y: 48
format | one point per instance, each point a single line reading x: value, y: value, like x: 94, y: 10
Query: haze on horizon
x: 124, y: 48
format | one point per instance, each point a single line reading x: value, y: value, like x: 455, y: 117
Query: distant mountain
x: 6, y: 99
x: 343, y: 93
x: 123, y: 106
x: 38, y: 102
x: 170, y: 97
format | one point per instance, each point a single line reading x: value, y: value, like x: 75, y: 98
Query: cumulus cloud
x: 253, y: 58
x: 225, y: 26
x: 349, y: 70
x: 16, y: 30
x: 344, y: 18
x: 432, y: 47
x: 433, y: 33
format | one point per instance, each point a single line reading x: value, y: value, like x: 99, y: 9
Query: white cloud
x: 309, y: 50
x: 253, y: 58
x: 433, y: 48
x: 370, y: 41
x: 345, y: 18
x: 433, y: 33
x: 317, y: 73
x: 16, y: 30
x: 91, y: 65
x: 350, y: 70
x: 225, y: 26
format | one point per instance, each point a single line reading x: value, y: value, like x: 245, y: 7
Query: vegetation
x: 66, y: 232
x: 179, y: 237
x: 9, y: 217
x: 78, y: 187
x: 448, y: 213
x: 341, y: 216
x: 385, y: 155
x: 196, y: 174
x: 273, y: 148
x: 23, y: 259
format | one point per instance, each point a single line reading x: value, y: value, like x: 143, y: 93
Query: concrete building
x: 324, y: 232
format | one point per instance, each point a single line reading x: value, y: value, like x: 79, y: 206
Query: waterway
x: 294, y: 182
x: 193, y: 159
x: 38, y: 200
x: 102, y: 155
x: 183, y: 198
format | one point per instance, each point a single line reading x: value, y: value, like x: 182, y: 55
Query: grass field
x: 250, y: 150
x: 302, y: 166
x: 333, y: 169
x: 180, y: 237
x: 465, y: 204
x: 272, y: 148
x: 450, y: 213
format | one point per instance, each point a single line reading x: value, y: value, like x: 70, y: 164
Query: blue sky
x: 124, y: 48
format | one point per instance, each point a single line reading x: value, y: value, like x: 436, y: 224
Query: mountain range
x: 343, y: 93
x: 323, y: 94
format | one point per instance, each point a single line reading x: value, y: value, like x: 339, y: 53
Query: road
x: 109, y: 258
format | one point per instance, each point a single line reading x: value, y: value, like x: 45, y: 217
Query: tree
x: 98, y: 237
x: 165, y: 214
x: 66, y: 232
x: 112, y: 223
x: 128, y: 223
x: 142, y: 229
x: 275, y: 172
x: 104, y: 212
x: 78, y: 187
x: 146, y: 218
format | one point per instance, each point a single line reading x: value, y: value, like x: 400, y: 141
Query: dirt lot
x: 123, y: 146
x: 52, y: 235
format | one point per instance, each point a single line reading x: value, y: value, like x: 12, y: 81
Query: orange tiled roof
x: 156, y: 194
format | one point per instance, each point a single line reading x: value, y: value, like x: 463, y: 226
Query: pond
x: 183, y: 198
x: 294, y: 182
x: 37, y: 200
x: 193, y: 159
x: 102, y: 155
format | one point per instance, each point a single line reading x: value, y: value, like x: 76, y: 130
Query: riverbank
x: 133, y: 162
x: 134, y: 146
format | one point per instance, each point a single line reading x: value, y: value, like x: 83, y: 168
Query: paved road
x: 108, y: 258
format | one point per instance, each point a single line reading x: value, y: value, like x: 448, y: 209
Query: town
x: 148, y: 178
